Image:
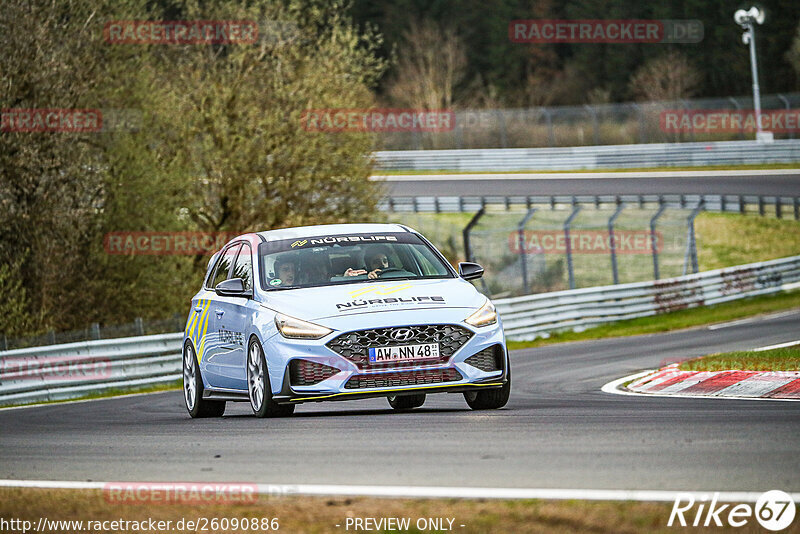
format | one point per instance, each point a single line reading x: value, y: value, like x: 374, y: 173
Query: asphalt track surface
x: 691, y: 183
x: 559, y: 430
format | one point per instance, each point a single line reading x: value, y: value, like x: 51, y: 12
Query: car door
x: 212, y: 351
x: 232, y: 324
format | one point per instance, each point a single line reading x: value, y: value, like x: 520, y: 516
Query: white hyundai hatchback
x: 340, y: 312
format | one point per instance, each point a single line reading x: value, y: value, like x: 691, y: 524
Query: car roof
x: 331, y: 229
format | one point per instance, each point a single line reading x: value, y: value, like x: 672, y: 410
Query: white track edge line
x: 428, y: 492
x: 587, y: 175
x: 614, y: 387
x: 755, y: 318
x: 778, y: 346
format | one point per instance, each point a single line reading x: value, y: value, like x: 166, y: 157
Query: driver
x: 377, y: 260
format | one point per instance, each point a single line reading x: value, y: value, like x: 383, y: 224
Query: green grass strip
x: 116, y: 392
x: 784, y: 359
x: 677, y: 320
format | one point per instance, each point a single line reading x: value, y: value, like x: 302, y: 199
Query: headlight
x: 484, y: 316
x: 298, y: 329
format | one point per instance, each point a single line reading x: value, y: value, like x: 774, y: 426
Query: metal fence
x: 593, y: 157
x: 537, y: 244
x: 73, y: 370
x: 568, y: 126
x: 571, y: 246
x: 532, y: 316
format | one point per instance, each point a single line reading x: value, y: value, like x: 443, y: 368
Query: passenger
x: 354, y: 272
x: 285, y: 271
x: 317, y: 270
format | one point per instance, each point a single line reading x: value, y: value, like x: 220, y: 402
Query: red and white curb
x: 671, y: 381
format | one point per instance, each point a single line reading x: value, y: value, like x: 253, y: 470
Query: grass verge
x: 321, y: 514
x: 784, y: 359
x: 677, y: 320
x: 116, y: 392
x: 729, y: 239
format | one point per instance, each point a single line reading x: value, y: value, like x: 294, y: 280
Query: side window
x: 244, y: 266
x: 212, y: 263
x: 223, y: 265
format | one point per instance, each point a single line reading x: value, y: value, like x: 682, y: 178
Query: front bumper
x: 297, y: 398
x: 388, y: 381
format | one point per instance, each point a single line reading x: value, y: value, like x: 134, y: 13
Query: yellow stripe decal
x: 195, y: 322
x: 392, y: 390
x: 200, y: 319
x: 192, y: 323
x: 380, y: 290
x: 193, y: 326
x: 202, y: 333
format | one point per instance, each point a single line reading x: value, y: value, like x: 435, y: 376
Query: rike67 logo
x: 774, y: 510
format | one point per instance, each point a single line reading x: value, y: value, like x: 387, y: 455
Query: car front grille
x: 486, y: 360
x: 308, y: 373
x: 403, y: 378
x: 354, y: 345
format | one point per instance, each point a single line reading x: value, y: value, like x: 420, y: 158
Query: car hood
x: 317, y: 303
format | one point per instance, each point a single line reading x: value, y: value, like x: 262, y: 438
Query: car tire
x: 259, y: 389
x: 489, y: 399
x: 197, y: 406
x: 406, y: 402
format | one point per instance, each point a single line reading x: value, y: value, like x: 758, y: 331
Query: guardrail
x: 593, y: 157
x: 532, y: 316
x: 58, y: 372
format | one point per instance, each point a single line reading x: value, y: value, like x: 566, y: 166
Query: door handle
x: 198, y: 309
x: 220, y: 313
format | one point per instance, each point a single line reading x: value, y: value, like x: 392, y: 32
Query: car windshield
x: 342, y: 259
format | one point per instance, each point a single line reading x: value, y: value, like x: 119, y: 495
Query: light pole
x: 747, y: 20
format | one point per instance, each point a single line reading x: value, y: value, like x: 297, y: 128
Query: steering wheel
x: 389, y: 270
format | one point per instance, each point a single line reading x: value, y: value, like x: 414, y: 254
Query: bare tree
x: 432, y: 62
x: 665, y: 78
x: 793, y: 54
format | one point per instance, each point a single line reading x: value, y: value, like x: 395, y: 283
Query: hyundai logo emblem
x: 402, y: 334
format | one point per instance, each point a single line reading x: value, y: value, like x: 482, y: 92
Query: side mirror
x: 469, y: 271
x: 233, y: 287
